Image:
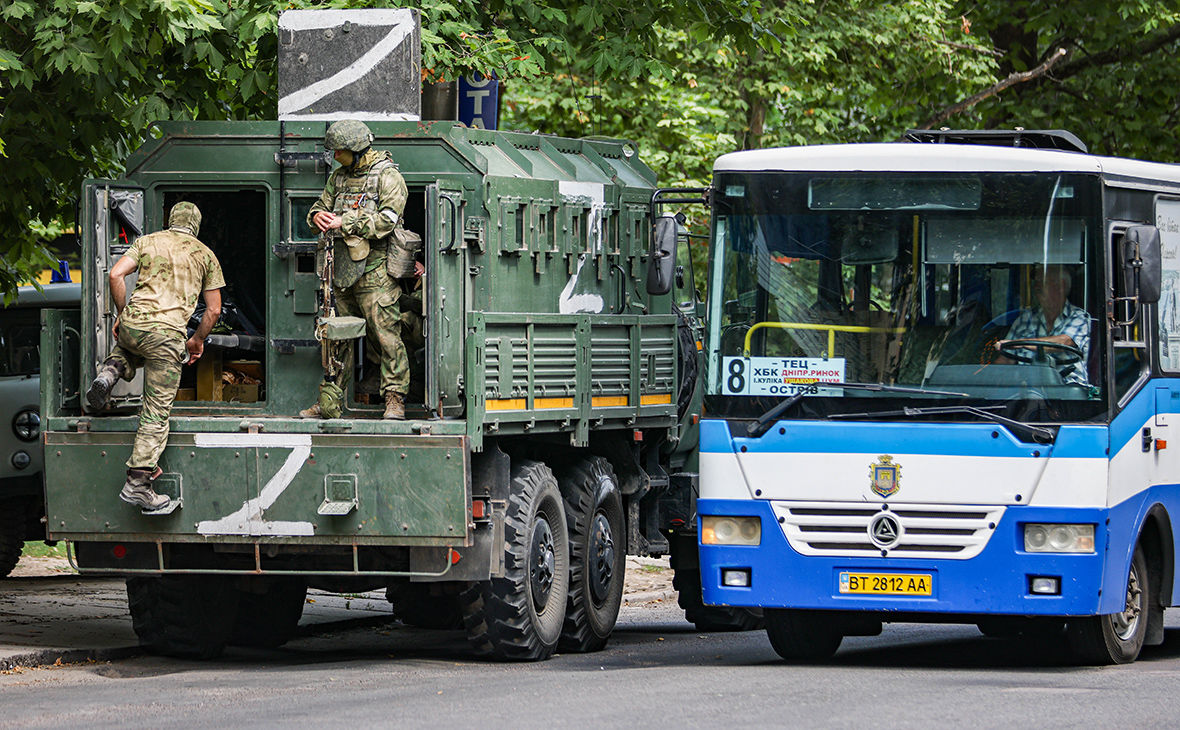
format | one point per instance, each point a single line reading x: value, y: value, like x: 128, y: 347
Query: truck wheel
x: 426, y: 605
x: 519, y: 617
x: 598, y: 554
x: 801, y: 635
x: 686, y: 579
x: 188, y: 616
x: 269, y: 610
x: 1116, y: 638
x: 12, y: 534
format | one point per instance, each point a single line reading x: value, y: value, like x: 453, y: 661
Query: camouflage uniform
x: 174, y: 268
x: 370, y: 197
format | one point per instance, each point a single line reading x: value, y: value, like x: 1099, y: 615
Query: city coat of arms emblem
x: 885, y: 476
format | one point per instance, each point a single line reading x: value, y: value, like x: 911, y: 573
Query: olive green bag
x: 404, y: 247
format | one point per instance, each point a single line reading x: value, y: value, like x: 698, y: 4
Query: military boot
x: 312, y: 411
x: 395, y: 406
x: 138, y: 491
x: 100, y: 387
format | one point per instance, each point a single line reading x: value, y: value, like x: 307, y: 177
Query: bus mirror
x: 1142, y: 263
x: 663, y: 256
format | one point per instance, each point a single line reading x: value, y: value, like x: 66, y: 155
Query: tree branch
x: 1115, y: 54
x: 967, y: 47
x: 1012, y: 80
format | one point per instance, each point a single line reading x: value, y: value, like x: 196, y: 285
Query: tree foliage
x: 1113, y: 87
x: 81, y: 82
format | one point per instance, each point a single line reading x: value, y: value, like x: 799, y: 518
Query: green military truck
x: 22, y: 501
x: 547, y: 432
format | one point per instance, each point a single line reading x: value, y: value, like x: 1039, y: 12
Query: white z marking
x: 248, y: 520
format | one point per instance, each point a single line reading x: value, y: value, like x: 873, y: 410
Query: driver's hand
x: 1000, y: 344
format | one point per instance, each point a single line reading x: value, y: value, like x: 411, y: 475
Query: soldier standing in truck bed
x: 362, y: 206
x: 174, y: 267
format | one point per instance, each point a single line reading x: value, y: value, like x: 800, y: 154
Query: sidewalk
x: 72, y: 618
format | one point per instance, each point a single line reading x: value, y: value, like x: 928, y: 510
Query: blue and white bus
x: 941, y: 382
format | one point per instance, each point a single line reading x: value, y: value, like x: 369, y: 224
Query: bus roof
x: 910, y: 157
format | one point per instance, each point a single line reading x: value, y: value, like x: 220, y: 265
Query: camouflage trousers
x: 160, y: 354
x: 375, y: 299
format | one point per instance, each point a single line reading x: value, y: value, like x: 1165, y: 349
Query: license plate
x: 887, y: 584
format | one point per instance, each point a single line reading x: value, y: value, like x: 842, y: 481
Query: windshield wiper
x: 762, y: 425
x: 1016, y: 428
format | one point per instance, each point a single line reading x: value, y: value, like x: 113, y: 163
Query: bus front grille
x: 955, y: 532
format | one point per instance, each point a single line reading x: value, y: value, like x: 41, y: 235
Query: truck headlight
x: 1058, y: 538
x: 717, y: 530
x: 27, y: 425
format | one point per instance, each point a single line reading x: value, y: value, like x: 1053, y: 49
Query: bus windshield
x: 978, y: 289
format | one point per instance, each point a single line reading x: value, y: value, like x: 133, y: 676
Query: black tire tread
x: 801, y: 635
x: 415, y: 604
x: 1092, y: 639
x: 496, y: 612
x: 579, y: 634
x: 268, y: 620
x: 12, y: 534
x: 188, y: 616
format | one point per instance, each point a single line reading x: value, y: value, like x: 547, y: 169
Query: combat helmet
x: 348, y: 134
x: 185, y: 216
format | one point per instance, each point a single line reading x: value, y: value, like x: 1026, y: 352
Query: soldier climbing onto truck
x: 358, y: 212
x: 174, y: 267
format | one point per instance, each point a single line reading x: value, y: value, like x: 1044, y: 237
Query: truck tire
x: 268, y: 612
x: 12, y: 534
x: 686, y: 579
x: 187, y: 616
x: 1116, y: 638
x: 803, y: 636
x: 519, y: 617
x: 426, y: 605
x: 598, y: 554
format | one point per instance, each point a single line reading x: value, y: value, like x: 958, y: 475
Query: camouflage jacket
x: 370, y: 198
x: 174, y: 268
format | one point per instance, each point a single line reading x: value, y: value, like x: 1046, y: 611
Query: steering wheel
x: 1014, y: 350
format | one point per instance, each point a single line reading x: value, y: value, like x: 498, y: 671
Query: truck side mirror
x: 1142, y: 263
x: 663, y: 255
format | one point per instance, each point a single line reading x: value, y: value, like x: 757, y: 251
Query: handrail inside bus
x: 831, y: 329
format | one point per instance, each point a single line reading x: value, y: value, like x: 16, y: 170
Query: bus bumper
x: 999, y: 580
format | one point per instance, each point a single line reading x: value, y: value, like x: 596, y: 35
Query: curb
x: 45, y: 657
x: 48, y: 657
x: 648, y: 596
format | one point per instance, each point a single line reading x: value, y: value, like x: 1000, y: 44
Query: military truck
x: 547, y: 430
x: 22, y: 503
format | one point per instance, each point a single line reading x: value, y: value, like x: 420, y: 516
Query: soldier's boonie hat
x: 403, y: 249
x: 348, y: 134
x: 185, y: 216
x: 358, y: 248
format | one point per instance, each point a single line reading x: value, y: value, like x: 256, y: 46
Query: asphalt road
x: 656, y: 670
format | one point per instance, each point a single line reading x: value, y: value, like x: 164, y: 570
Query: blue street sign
x: 478, y: 101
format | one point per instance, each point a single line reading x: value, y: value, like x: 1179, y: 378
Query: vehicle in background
x: 22, y: 497
x: 890, y: 437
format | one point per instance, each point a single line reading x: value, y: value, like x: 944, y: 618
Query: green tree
x: 1103, y: 70
x: 81, y: 82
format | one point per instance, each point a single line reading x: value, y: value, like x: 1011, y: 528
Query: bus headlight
x: 1051, y: 538
x: 717, y: 530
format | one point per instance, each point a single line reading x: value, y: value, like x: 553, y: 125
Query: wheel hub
x: 541, y: 563
x: 1125, y: 623
x: 602, y: 558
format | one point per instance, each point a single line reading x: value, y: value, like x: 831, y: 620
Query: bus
x: 941, y: 377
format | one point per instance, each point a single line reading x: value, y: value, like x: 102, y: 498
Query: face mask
x: 344, y: 157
